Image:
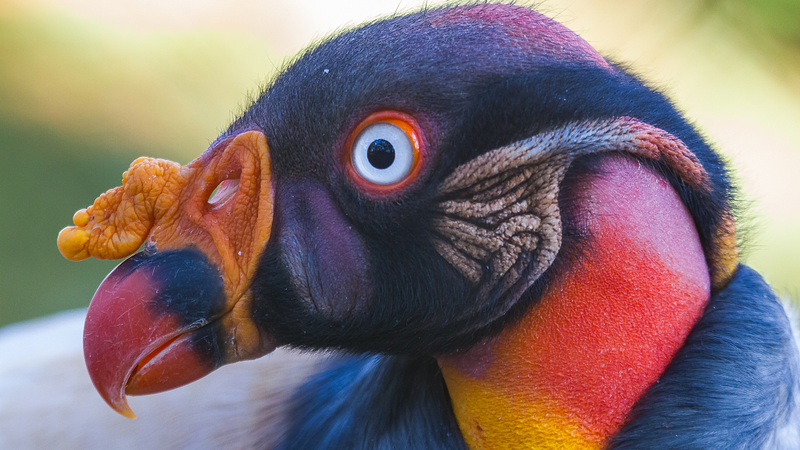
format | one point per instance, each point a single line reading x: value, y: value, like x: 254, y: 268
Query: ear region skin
x: 605, y: 328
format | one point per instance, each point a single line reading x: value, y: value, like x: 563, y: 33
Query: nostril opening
x: 223, y: 192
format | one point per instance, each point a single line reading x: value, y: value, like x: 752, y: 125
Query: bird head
x: 397, y: 189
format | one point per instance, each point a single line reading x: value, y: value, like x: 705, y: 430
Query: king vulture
x: 500, y: 239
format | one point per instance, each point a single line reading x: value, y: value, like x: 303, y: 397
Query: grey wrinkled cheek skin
x: 314, y: 232
x: 499, y: 221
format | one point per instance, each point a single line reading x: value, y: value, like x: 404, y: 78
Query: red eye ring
x: 412, y: 131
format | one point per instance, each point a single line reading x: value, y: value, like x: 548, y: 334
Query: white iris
x: 398, y: 168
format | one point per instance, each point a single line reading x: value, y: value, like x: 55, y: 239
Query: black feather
x: 374, y: 402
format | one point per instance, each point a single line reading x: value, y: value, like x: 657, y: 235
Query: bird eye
x: 385, y: 152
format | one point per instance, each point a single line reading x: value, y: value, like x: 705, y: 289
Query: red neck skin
x: 568, y: 373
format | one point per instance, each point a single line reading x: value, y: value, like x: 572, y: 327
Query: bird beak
x: 182, y: 307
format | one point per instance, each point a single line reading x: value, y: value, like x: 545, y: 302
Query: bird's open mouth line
x: 151, y: 352
x: 161, y: 346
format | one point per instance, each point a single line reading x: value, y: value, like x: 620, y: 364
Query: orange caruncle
x: 119, y: 221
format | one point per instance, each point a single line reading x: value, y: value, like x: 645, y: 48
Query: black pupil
x: 380, y: 153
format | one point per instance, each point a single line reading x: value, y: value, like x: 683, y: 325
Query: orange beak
x: 181, y: 308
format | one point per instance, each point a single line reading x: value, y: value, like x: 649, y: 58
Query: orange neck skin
x: 567, y: 374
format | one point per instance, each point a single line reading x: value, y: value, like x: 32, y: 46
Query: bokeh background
x: 86, y: 86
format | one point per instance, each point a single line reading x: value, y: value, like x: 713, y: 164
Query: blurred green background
x: 86, y: 86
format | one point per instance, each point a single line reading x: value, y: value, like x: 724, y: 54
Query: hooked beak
x: 182, y: 307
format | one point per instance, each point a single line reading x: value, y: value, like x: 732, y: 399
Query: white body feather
x: 48, y: 402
